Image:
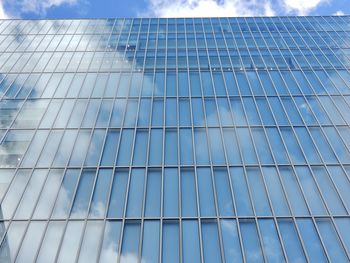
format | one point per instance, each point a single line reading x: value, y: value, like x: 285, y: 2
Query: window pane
x: 153, y: 194
x: 188, y: 193
x: 31, y: 194
x: 91, y: 241
x: 171, y: 148
x: 331, y: 241
x: 202, y: 154
x: 95, y: 148
x: 12, y: 240
x: 51, y: 242
x: 130, y: 245
x: 230, y: 238
x: 71, y: 241
x: 258, y: 192
x: 190, y: 241
x: 156, y: 147
x: 223, y: 192
x: 150, y: 242
x: 206, y: 194
x: 65, y: 195
x: 140, y: 151
x: 31, y: 242
x: 171, y: 192
x: 186, y: 151
x: 100, y: 195
x: 241, y: 192
x: 83, y: 194
x: 272, y: 247
x: 171, y: 242
x: 251, y: 244
x: 211, y: 246
x: 311, y: 240
x: 110, y: 243
x: 118, y: 192
x: 125, y: 148
x: 276, y: 192
x: 135, y: 195
x: 110, y: 148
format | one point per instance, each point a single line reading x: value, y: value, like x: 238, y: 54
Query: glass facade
x: 175, y: 140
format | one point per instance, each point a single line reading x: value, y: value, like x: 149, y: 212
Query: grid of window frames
x: 175, y: 140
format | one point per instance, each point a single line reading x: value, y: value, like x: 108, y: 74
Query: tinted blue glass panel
x: 83, y: 193
x: 118, y: 193
x: 211, y: 246
x: 231, y: 241
x: 130, y: 243
x: 153, y: 193
x: 223, y: 192
x: 311, y: 240
x: 171, y: 192
x: 251, y: 241
x: 110, y: 243
x: 190, y: 241
x: 100, y: 194
x: 156, y: 147
x: 150, y: 242
x: 206, y: 192
x: 270, y: 240
x: 170, y: 248
x: 136, y: 192
x: 331, y: 240
x: 291, y: 241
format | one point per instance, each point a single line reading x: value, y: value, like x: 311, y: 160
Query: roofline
x: 107, y: 18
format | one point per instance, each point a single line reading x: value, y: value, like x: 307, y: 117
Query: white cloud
x: 301, y: 7
x: 339, y: 13
x: 15, y: 8
x: 3, y: 14
x: 209, y: 8
x: 212, y: 8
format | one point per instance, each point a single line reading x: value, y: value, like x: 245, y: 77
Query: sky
x: 32, y: 9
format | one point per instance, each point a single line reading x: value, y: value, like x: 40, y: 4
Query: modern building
x: 175, y: 140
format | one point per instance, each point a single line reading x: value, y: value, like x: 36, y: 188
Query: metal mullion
x: 341, y: 95
x: 291, y: 165
x: 18, y: 166
x: 147, y: 158
x: 180, y: 220
x: 340, y: 238
x: 250, y: 134
x: 243, y: 162
x: 96, y: 173
x: 278, y: 173
x: 77, y: 183
x: 10, y: 220
x: 304, y: 155
x: 319, y: 152
x: 275, y: 162
x: 340, y: 37
x: 163, y: 148
x: 336, y: 70
x: 325, y: 71
x: 129, y: 176
x: 221, y: 127
x: 210, y: 153
x: 336, y: 188
x: 228, y: 166
x: 198, y: 219
x: 309, y: 167
x: 256, y: 153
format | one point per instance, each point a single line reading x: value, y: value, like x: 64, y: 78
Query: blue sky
x: 167, y: 8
